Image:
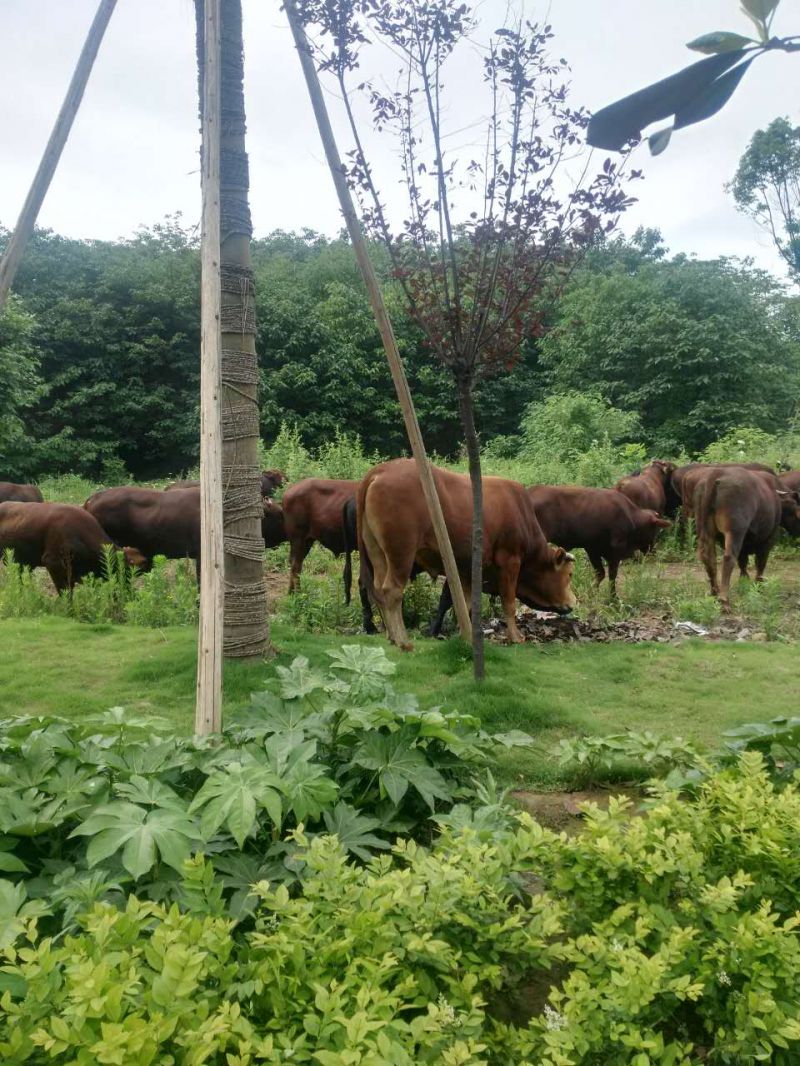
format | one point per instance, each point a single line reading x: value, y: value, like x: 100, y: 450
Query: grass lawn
x: 698, y: 689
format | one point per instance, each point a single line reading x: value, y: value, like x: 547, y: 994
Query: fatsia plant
x: 89, y: 808
x: 695, y: 93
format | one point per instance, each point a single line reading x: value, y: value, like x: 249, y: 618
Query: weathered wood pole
x: 381, y: 316
x: 52, y: 153
x: 208, y: 710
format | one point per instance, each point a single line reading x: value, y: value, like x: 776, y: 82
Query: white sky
x: 132, y: 155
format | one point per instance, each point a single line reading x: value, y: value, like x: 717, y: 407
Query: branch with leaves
x: 695, y: 93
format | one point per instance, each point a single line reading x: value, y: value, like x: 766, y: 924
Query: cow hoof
x: 515, y: 637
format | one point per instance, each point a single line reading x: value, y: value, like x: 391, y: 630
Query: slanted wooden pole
x: 208, y: 711
x: 381, y: 316
x: 52, y: 153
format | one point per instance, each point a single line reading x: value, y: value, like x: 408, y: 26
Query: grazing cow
x: 66, y: 540
x: 790, y: 480
x: 395, y: 532
x: 271, y: 480
x: 648, y: 488
x: 158, y: 523
x: 9, y: 493
x: 742, y: 510
x: 312, y: 511
x: 603, y: 522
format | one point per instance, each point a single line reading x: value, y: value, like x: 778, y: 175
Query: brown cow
x: 685, y: 480
x: 603, y: 522
x: 648, y: 487
x: 741, y: 509
x: 271, y: 480
x: 312, y: 511
x: 790, y: 480
x: 158, y: 523
x: 395, y: 532
x: 10, y: 492
x: 66, y: 540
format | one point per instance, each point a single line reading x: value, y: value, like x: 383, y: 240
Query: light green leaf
x: 719, y: 41
x: 141, y: 834
x: 231, y: 796
x: 299, y: 679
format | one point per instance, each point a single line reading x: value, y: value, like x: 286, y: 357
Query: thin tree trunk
x: 246, y: 628
x: 476, y: 574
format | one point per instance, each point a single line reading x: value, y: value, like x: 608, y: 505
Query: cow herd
x: 528, y: 533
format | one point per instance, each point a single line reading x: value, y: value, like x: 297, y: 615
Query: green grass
x: 697, y: 690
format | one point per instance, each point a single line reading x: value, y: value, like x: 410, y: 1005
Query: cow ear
x: 560, y: 557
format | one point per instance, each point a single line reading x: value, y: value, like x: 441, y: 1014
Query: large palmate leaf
x: 142, y: 835
x: 150, y: 792
x: 363, y: 669
x: 300, y: 679
x: 232, y: 796
x: 399, y: 764
x: 308, y: 789
x: 354, y: 831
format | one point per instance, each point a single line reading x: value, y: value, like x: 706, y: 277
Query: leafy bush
x: 89, y: 807
x: 592, y: 758
x: 670, y: 938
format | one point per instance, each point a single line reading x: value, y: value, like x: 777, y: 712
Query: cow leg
x: 613, y: 570
x: 445, y: 603
x: 707, y: 554
x: 743, y: 557
x: 729, y: 557
x: 597, y: 565
x: 387, y: 585
x: 298, y: 551
x: 762, y: 554
x: 366, y: 610
x: 509, y: 567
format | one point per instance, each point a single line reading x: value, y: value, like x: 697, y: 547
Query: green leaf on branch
x: 719, y: 41
x: 659, y: 140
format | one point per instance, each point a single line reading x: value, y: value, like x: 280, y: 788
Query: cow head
x: 134, y: 558
x: 663, y: 469
x: 649, y: 525
x: 790, y: 511
x: 272, y: 527
x: 544, y: 581
x: 271, y: 480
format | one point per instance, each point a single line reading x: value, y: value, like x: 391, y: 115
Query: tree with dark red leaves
x: 487, y: 239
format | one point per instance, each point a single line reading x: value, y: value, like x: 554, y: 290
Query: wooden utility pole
x: 381, y: 316
x: 208, y: 711
x: 52, y: 153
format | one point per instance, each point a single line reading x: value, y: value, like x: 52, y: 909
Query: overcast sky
x: 132, y: 155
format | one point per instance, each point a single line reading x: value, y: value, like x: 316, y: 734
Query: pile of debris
x: 544, y: 627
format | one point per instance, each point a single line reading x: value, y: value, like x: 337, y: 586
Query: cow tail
x: 349, y: 547
x: 703, y: 505
x: 365, y: 574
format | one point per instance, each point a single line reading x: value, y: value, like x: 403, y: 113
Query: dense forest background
x: 99, y: 368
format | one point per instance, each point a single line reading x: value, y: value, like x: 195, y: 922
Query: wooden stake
x: 52, y: 153
x: 208, y: 711
x: 381, y: 316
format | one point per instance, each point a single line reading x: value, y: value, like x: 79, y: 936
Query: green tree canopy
x: 692, y: 347
x: 19, y: 381
x: 767, y: 187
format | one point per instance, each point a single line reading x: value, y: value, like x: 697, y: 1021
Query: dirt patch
x: 277, y: 584
x: 541, y: 628
x: 562, y: 810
